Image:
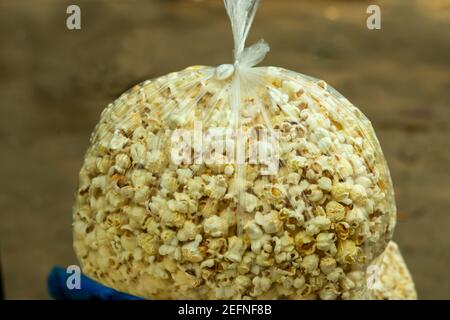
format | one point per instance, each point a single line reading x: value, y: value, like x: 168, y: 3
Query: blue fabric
x: 90, y: 289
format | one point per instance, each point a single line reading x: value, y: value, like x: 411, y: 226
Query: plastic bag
x: 234, y: 182
x: 389, y: 277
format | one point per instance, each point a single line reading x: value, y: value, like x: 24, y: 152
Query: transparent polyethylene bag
x: 234, y: 182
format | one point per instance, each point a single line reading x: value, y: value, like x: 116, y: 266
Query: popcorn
x: 184, y: 175
x: 294, y: 218
x: 293, y: 178
x: 335, y: 275
x: 229, y: 170
x: 249, y: 202
x: 305, y: 243
x: 167, y: 236
x: 182, y: 204
x: 103, y: 165
x: 114, y: 199
x: 347, y: 251
x: 358, y: 193
x: 325, y: 240
x: 310, y: 263
x: 236, y: 248
x: 317, y: 224
x: 149, y: 243
x: 195, y: 187
x: 270, y: 222
x: 141, y: 194
x: 169, y: 182
x: 188, y: 232
x: 327, y: 265
x: 172, y: 218
x: 191, y: 251
x: 140, y: 178
x: 299, y: 282
x: 118, y: 141
x: 138, y: 153
x: 261, y: 285
x: 335, y: 211
x: 347, y: 284
x: 127, y: 192
x: 216, y: 188
x: 329, y: 292
x: 129, y: 243
x: 137, y: 214
x: 215, y: 226
x: 340, y: 192
x: 196, y: 229
x: 343, y: 230
x: 325, y: 183
x: 356, y: 216
x: 254, y: 231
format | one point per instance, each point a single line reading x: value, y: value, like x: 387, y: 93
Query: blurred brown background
x: 54, y: 83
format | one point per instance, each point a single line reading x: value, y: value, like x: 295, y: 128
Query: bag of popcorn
x: 389, y: 277
x: 233, y: 182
